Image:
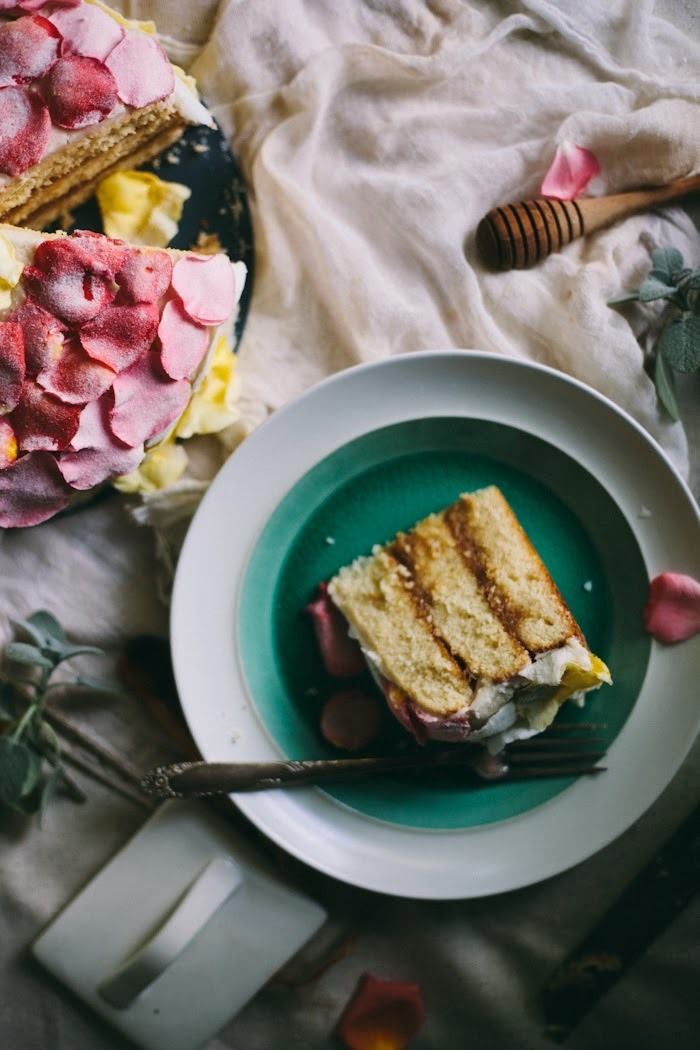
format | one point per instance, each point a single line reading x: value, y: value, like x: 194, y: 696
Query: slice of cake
x: 464, y: 628
x: 83, y: 93
x: 103, y: 346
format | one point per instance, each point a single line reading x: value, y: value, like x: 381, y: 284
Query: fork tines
x: 552, y: 756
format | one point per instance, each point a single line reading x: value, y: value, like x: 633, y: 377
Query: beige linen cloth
x: 373, y: 136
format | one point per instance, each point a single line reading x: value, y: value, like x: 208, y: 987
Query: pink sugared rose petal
x: 12, y: 364
x: 25, y: 126
x: 672, y: 609
x: 74, y: 377
x: 109, y: 251
x: 8, y: 444
x: 43, y: 335
x: 67, y: 283
x: 183, y: 341
x: 571, y: 170
x: 341, y: 654
x: 145, y: 275
x: 91, y: 466
x: 94, y: 430
x: 120, y: 334
x: 87, y: 31
x: 32, y: 490
x: 146, y: 401
x: 28, y: 49
x: 41, y: 422
x: 141, y: 69
x: 206, y: 286
x: 381, y: 1014
x: 351, y: 719
x: 80, y: 92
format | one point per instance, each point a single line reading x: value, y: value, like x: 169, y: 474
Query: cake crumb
x: 235, y: 736
x: 588, y: 585
x: 329, y: 540
x: 199, y: 147
x: 311, y: 691
x: 644, y: 512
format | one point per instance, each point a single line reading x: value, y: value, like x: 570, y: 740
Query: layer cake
x: 463, y: 627
x: 83, y: 93
x: 103, y: 346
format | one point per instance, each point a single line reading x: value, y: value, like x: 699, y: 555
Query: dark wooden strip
x: 545, y: 226
x: 553, y: 212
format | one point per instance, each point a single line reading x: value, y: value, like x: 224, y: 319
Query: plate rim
x: 275, y: 813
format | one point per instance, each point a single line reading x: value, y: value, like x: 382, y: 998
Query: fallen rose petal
x: 28, y: 49
x: 43, y: 335
x: 12, y: 364
x: 146, y: 401
x: 672, y: 609
x: 32, y: 490
x: 74, y: 377
x: 87, y: 31
x: 145, y: 275
x: 206, y: 286
x: 351, y: 719
x: 571, y: 170
x: 67, y: 283
x: 25, y: 127
x: 92, y: 466
x: 119, y: 335
x: 8, y: 444
x: 141, y: 69
x: 80, y: 92
x: 41, y: 422
x: 341, y: 654
x: 183, y: 341
x: 381, y: 1015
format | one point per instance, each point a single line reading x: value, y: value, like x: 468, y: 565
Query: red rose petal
x: 141, y: 69
x: 184, y: 342
x: 381, y: 1014
x: 341, y: 654
x: 28, y: 49
x: 571, y: 170
x: 25, y: 126
x: 206, y: 285
x: 75, y: 377
x: 12, y: 364
x: 32, y: 490
x: 672, y: 609
x: 43, y: 335
x: 91, y: 466
x: 120, y: 334
x: 64, y: 281
x: 87, y: 31
x: 145, y: 275
x: 8, y: 444
x: 351, y: 719
x: 146, y: 401
x: 109, y: 251
x: 41, y: 421
x: 80, y: 92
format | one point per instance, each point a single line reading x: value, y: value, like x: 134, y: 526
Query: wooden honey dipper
x: 518, y: 235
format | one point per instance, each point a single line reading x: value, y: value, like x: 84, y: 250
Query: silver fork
x: 537, y: 758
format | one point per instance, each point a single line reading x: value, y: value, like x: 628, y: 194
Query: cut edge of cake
x: 463, y: 627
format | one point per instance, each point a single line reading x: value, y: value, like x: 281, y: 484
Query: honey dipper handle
x: 517, y: 235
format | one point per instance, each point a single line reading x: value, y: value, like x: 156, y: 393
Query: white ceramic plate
x: 311, y: 824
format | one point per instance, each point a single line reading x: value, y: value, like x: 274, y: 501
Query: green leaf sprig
x: 31, y: 766
x: 678, y: 347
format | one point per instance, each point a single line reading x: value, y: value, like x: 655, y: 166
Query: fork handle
x: 192, y: 779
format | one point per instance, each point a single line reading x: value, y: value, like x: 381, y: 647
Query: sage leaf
x: 624, y: 297
x: 100, y: 687
x: 46, y: 622
x: 666, y: 262
x: 23, y: 653
x: 652, y: 289
x: 78, y: 650
x: 679, y: 343
x: 28, y: 628
x: 665, y: 384
x: 20, y: 769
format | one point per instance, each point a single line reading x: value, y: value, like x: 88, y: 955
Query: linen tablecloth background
x: 373, y: 136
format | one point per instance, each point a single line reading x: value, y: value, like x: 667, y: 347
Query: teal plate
x: 384, y: 481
